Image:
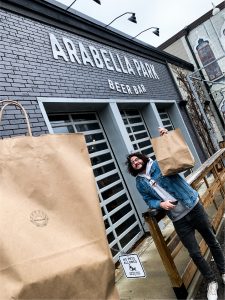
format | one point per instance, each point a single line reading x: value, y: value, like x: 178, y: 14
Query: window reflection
x: 143, y: 144
x: 115, y: 250
x: 121, y: 213
x: 106, y: 222
x: 63, y: 129
x: 84, y: 117
x: 97, y: 147
x: 94, y: 137
x: 87, y: 127
x: 122, y: 227
x: 113, y: 190
x: 138, y: 128
x: 104, y: 169
x: 110, y: 237
x: 100, y: 159
x: 117, y: 202
x: 142, y: 135
x: 135, y: 120
x: 108, y: 180
x: 129, y: 236
x: 58, y: 119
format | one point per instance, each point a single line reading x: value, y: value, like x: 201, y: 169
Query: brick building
x: 73, y: 75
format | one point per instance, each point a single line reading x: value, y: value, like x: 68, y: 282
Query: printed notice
x: 132, y: 266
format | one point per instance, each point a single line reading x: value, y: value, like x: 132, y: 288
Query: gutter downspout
x: 187, y: 30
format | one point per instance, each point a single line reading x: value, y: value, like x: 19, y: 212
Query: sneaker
x: 212, y: 290
x: 223, y: 278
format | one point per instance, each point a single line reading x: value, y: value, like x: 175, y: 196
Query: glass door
x: 122, y: 225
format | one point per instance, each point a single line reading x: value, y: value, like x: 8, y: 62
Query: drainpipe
x: 187, y: 30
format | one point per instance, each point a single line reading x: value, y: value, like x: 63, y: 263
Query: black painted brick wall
x: 28, y: 70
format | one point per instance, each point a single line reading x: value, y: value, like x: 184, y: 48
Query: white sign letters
x: 126, y: 89
x: 100, y: 58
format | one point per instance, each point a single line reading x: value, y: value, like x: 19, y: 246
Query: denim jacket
x: 175, y: 185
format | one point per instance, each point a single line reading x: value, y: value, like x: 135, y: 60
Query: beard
x: 142, y: 168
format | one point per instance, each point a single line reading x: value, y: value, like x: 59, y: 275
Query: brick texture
x: 28, y: 70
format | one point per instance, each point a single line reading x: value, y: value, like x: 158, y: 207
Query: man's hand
x: 167, y: 205
x: 162, y: 131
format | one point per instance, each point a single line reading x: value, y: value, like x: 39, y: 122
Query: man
x: 183, y: 207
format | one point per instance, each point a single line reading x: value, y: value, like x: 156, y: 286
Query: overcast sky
x: 169, y: 15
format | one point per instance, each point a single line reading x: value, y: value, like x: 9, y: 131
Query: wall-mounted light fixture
x: 216, y: 10
x: 97, y: 1
x: 132, y: 18
x: 156, y: 31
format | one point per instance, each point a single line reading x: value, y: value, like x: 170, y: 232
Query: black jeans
x: 197, y: 219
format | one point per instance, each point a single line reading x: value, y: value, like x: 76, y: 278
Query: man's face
x: 136, y: 163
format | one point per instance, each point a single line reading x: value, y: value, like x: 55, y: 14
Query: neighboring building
x: 202, y: 43
x: 73, y: 75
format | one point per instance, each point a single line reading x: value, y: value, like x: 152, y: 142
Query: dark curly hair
x: 130, y: 168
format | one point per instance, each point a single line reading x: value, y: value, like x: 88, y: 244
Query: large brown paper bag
x: 52, y: 237
x: 172, y: 153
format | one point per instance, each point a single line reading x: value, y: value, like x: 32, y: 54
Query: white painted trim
x: 90, y: 100
x: 42, y: 100
x: 156, y: 113
x: 45, y: 116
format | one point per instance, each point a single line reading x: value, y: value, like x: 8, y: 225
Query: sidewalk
x: 203, y: 286
x: 157, y: 284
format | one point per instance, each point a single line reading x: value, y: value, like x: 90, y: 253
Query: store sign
x: 132, y: 266
x: 89, y: 55
x: 126, y: 88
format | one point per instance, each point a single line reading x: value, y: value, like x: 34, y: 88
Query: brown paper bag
x: 172, y: 153
x: 53, y: 243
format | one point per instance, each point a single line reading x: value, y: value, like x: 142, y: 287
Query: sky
x: 170, y: 16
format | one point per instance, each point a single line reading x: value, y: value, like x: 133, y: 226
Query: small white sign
x: 132, y: 266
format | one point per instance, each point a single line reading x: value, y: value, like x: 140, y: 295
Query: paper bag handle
x: 17, y: 104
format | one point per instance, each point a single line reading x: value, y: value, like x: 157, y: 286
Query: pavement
x: 157, y: 284
x: 200, y: 294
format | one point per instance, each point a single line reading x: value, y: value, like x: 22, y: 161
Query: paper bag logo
x: 39, y: 218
